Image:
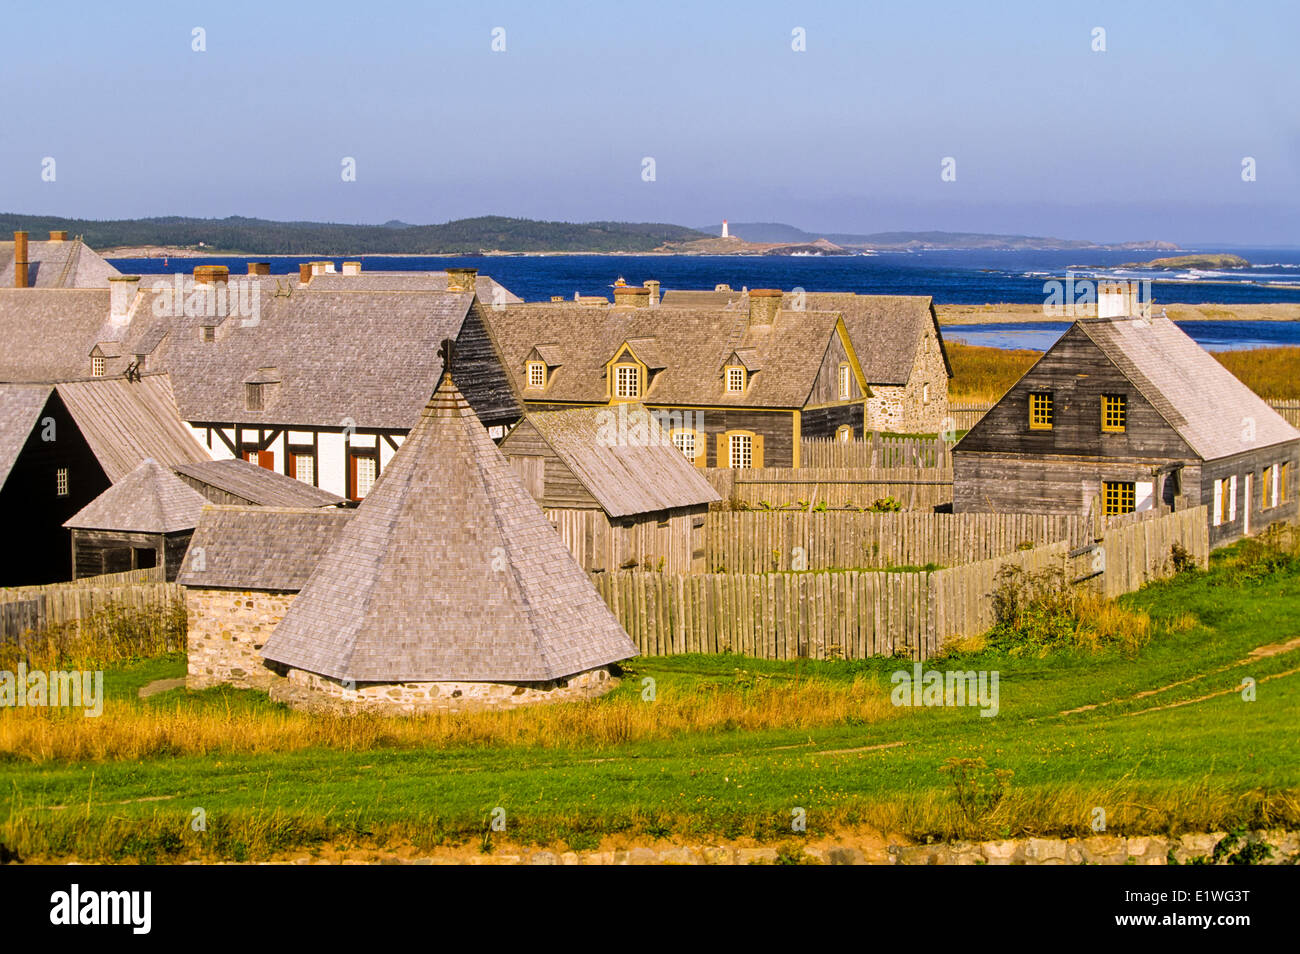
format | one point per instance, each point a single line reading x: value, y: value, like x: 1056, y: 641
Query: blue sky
x: 1144, y: 140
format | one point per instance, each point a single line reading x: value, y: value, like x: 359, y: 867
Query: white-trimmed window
x: 367, y: 472
x: 536, y: 375
x: 304, y: 468
x: 735, y: 379
x: 96, y: 365
x: 740, y: 451
x: 1225, y: 501
x: 684, y: 441
x: 846, y: 382
x: 627, y: 381
x: 61, y: 482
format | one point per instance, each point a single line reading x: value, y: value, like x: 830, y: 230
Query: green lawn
x: 1213, y: 763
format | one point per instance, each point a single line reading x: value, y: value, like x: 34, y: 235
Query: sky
x: 1145, y: 139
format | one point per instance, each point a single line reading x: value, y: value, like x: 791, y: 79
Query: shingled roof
x: 67, y: 264
x: 126, y: 421
x: 20, y: 409
x: 257, y: 485
x: 150, y: 499
x: 259, y: 548
x: 693, y: 343
x: 370, y: 358
x: 1196, y: 394
x: 885, y: 330
x: 449, y: 571
x: 628, y: 469
x: 485, y: 286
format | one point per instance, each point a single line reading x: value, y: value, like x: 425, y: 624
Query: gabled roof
x: 647, y: 351
x: 885, y: 330
x: 370, y: 358
x: 1198, y: 396
x: 255, y: 484
x: 486, y: 287
x: 693, y: 343
x: 20, y: 409
x: 623, y: 458
x: 449, y: 571
x: 150, y: 499
x: 126, y: 421
x: 550, y: 354
x: 48, y: 333
x: 259, y: 548
x: 67, y: 264
x: 679, y: 298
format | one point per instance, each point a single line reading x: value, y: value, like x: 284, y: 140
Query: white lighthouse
x: 724, y: 229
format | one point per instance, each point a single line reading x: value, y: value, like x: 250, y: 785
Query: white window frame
x: 740, y: 451
x: 96, y: 365
x: 537, y: 375
x: 61, y: 482
x: 680, y: 438
x: 1232, y: 499
x: 1217, y: 517
x: 372, y: 467
x: 846, y: 382
x: 735, y: 380
x: 627, y: 381
x: 298, y: 460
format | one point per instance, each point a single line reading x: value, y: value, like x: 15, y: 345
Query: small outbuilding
x: 235, y: 482
x: 615, y: 485
x: 447, y: 589
x: 144, y: 520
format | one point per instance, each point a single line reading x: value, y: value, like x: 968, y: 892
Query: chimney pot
x: 21, y: 277
x: 764, y: 304
x: 462, y: 280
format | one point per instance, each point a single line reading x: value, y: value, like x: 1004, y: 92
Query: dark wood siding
x: 479, y: 375
x: 825, y: 421
x: 826, y: 389
x: 560, y: 488
x: 1252, y: 463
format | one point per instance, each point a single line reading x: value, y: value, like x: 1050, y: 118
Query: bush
x: 886, y: 505
x: 1036, y: 613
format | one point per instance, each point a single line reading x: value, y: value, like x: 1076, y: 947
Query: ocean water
x: 1210, y: 335
x: 956, y: 277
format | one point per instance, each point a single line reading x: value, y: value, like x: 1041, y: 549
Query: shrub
x: 886, y: 505
x: 978, y: 789
x: 1036, y: 613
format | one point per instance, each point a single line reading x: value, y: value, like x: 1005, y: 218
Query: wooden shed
x: 613, y: 483
x: 1130, y: 414
x: 144, y: 520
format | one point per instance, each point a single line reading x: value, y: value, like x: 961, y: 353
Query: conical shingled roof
x: 449, y: 572
x: 150, y: 499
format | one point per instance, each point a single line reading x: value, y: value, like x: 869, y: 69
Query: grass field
x: 985, y: 374
x: 727, y: 750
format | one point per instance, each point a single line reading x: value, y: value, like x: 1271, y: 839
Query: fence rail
x: 41, y: 607
x: 855, y: 614
x: 916, y: 488
x: 1289, y: 410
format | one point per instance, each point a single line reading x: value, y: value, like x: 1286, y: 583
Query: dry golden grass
x: 984, y: 374
x: 137, y: 731
x: 1272, y: 373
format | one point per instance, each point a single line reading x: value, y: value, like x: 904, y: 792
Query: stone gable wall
x: 227, y: 629
x: 903, y: 407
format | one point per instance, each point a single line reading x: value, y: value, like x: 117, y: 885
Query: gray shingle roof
x: 67, y: 264
x: 448, y: 572
x: 368, y: 357
x: 20, y: 409
x: 885, y: 330
x: 485, y: 286
x: 126, y: 421
x: 259, y: 548
x: 693, y: 344
x: 630, y: 468
x: 150, y: 499
x: 1196, y: 394
x: 256, y: 484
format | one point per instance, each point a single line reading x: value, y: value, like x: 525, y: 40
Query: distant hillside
x: 903, y: 241
x: 263, y: 237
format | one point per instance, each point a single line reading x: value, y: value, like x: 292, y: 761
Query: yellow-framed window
x: 1118, y: 497
x: 735, y: 379
x: 844, y: 433
x: 1114, y: 412
x: 740, y: 450
x: 846, y: 382
x: 1268, y: 492
x: 1040, y: 410
x: 537, y: 374
x: 1283, y: 480
x: 627, y: 381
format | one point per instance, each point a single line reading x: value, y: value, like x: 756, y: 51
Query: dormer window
x: 254, y: 398
x: 736, y: 380
x: 536, y: 375
x: 846, y: 382
x: 627, y: 381
x: 96, y: 365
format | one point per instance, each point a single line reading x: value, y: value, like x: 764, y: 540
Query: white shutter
x: 1232, y: 499
x: 1218, y: 502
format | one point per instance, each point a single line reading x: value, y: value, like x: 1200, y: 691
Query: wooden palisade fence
x: 38, y: 607
x: 916, y: 488
x: 876, y: 451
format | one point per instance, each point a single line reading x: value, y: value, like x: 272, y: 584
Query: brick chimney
x: 211, y: 274
x: 58, y: 235
x: 121, y: 295
x: 259, y: 268
x: 652, y: 285
x: 305, y: 272
x: 351, y: 268
x: 764, y: 303
x: 631, y: 296
x: 462, y: 280
x: 20, y: 260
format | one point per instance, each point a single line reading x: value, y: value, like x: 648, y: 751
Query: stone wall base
x: 310, y: 691
x: 227, y: 629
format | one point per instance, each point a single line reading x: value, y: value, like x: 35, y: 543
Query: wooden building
x: 1130, y: 414
x: 144, y: 520
x: 234, y: 482
x: 732, y: 388
x: 61, y: 446
x: 614, y: 485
